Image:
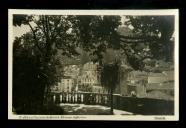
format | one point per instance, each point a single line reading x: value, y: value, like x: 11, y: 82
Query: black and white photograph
x: 93, y: 64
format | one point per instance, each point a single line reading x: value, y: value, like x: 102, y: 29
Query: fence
x: 83, y: 98
x: 144, y: 106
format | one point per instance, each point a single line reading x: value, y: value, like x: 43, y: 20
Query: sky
x: 18, y: 31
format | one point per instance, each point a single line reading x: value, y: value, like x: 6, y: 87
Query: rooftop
x: 156, y: 75
x: 139, y: 73
x: 160, y: 86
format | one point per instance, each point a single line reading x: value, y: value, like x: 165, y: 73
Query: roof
x: 156, y: 75
x: 139, y: 73
x: 160, y: 86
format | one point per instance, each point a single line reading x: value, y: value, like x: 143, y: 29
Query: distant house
x: 123, y: 74
x: 161, y: 91
x: 136, y: 83
x: 160, y: 78
x: 156, y: 78
x: 84, y: 77
x: 89, y: 74
x: 67, y: 84
x: 162, y: 84
x: 71, y: 70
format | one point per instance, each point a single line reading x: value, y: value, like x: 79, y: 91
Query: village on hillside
x: 86, y: 78
x: 83, y: 75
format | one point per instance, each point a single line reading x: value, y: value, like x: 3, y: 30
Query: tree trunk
x: 111, y: 102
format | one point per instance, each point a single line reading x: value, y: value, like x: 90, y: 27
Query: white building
x: 156, y: 78
x: 89, y: 78
x: 136, y: 82
x: 89, y: 74
x: 71, y: 70
x: 67, y: 84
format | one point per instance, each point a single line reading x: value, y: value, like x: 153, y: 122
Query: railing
x: 145, y: 106
x: 82, y: 97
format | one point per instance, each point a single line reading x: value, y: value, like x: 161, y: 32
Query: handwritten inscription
x: 160, y: 118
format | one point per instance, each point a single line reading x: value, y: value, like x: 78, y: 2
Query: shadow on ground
x: 82, y: 109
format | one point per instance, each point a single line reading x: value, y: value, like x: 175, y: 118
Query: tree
x: 97, y: 34
x: 110, y: 79
x: 38, y: 48
x: 158, y: 31
x: 49, y: 33
x: 25, y: 75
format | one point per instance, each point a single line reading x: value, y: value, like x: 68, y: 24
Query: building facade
x: 67, y: 84
x: 89, y: 74
x: 84, y: 78
x: 161, y: 85
x: 137, y: 82
x: 89, y: 77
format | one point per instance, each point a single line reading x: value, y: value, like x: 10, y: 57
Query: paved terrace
x: 82, y: 109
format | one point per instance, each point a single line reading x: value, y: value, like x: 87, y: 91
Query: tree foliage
x: 35, y: 53
x: 96, y: 33
x: 39, y: 48
x: 158, y: 32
